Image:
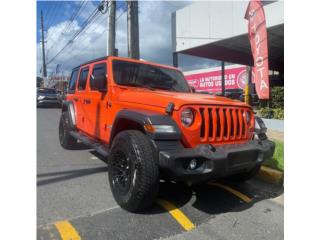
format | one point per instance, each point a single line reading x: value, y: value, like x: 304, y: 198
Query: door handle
x: 86, y: 101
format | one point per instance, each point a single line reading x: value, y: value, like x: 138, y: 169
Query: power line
x: 53, y: 15
x: 51, y: 8
x: 107, y: 28
x: 81, y: 8
x: 83, y: 26
x: 86, y: 33
x: 67, y: 27
x: 96, y: 39
x: 103, y: 19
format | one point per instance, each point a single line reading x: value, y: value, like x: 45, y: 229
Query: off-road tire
x: 242, y: 177
x: 66, y: 140
x: 132, y: 148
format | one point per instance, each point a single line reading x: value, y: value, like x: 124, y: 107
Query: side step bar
x: 90, y: 142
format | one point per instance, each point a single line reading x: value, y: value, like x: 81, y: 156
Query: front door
x: 96, y: 111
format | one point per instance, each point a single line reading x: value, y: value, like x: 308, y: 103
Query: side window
x: 98, y: 80
x: 83, y: 79
x: 73, y: 80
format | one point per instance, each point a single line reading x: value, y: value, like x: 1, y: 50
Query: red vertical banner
x: 257, y: 31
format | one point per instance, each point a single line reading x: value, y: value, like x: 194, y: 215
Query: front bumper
x: 214, y: 162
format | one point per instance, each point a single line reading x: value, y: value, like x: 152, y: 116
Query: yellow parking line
x: 67, y: 231
x: 233, y: 191
x: 177, y: 214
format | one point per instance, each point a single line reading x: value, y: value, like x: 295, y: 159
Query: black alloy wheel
x: 133, y: 171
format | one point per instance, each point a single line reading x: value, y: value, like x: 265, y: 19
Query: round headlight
x: 187, y: 117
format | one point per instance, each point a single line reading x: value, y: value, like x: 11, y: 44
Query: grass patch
x: 276, y: 161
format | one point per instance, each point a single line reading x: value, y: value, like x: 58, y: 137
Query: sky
x: 154, y: 32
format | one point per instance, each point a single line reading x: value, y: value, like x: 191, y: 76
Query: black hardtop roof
x: 91, y: 61
x: 105, y: 58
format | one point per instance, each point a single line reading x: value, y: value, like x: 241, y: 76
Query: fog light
x: 260, y: 157
x: 193, y: 164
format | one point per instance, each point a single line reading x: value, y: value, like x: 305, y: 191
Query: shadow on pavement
x: 204, y: 198
x: 213, y: 200
x: 67, y: 175
x: 80, y: 146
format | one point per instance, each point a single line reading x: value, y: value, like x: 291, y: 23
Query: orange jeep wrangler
x: 150, y: 125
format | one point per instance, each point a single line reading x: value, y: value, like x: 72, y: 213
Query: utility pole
x: 248, y: 81
x: 44, y: 66
x: 175, y: 59
x: 133, y: 30
x: 223, y: 87
x: 112, y: 29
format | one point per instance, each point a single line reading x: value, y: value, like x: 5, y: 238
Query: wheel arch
x: 136, y: 120
x: 122, y: 124
x: 68, y: 106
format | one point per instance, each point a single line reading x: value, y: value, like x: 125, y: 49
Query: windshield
x: 148, y: 76
x: 47, y: 91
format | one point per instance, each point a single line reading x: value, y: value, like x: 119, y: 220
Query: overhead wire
x: 67, y: 27
x: 87, y: 33
x: 108, y: 28
x: 51, y: 6
x: 87, y: 25
x: 102, y: 34
x: 83, y: 27
x: 53, y: 15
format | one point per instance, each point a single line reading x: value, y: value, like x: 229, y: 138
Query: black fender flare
x: 143, y: 117
x: 68, y: 106
x: 260, y: 129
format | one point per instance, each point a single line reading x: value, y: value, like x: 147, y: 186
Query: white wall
x: 205, y: 22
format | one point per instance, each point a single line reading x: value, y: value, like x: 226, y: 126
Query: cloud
x: 154, y: 29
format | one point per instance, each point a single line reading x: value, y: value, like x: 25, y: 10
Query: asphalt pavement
x: 74, y: 200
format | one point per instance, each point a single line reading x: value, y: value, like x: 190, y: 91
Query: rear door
x: 97, y: 110
x: 72, y: 94
x: 81, y: 93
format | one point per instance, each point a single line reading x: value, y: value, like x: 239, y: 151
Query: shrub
x: 278, y: 113
x: 277, y: 99
x: 277, y: 96
x: 266, y: 112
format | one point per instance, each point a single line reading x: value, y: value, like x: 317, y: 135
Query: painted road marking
x: 67, y: 231
x: 177, y: 214
x: 233, y: 191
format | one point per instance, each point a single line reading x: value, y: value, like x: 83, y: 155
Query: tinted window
x: 47, y: 91
x: 145, y: 75
x: 98, y: 78
x: 73, y: 80
x: 83, y: 79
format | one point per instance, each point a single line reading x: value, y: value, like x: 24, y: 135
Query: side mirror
x: 193, y: 90
x: 99, y: 83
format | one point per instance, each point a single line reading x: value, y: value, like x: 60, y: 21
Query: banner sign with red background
x: 259, y: 46
x: 210, y: 81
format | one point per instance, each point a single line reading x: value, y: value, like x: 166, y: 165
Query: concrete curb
x: 271, y: 175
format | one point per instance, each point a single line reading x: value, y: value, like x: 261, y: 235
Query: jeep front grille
x: 221, y: 124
